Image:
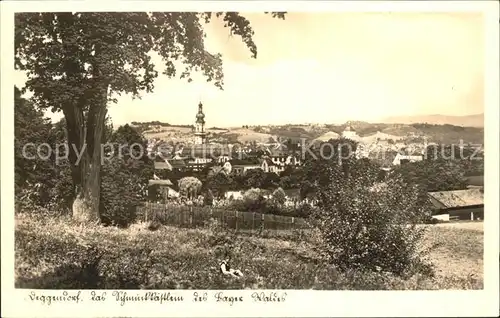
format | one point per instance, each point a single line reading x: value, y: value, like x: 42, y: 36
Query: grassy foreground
x: 54, y: 253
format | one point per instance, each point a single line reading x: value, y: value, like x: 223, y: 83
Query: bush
x: 272, y: 206
x: 253, y: 200
x: 189, y: 187
x: 61, y: 193
x: 373, y: 228
x: 208, y: 198
x: 430, y: 220
x: 304, y: 210
x: 279, y: 196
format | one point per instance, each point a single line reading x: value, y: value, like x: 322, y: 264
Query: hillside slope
x: 465, y: 121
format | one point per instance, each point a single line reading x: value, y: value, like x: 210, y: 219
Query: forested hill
x: 434, y: 132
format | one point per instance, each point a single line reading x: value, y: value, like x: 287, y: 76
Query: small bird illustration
x: 226, y: 269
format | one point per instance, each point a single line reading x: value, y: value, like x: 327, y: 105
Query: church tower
x: 199, y: 127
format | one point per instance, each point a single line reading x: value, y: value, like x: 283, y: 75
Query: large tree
x: 76, y: 62
x: 125, y: 175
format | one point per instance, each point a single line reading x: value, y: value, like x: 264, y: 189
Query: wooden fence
x: 193, y: 216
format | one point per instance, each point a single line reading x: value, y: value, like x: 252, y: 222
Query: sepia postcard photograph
x: 219, y: 158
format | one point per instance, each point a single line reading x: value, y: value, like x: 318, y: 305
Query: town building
x: 241, y: 167
x: 161, y: 190
x: 350, y: 133
x: 226, y: 169
x: 200, y: 154
x: 402, y: 158
x: 171, y: 165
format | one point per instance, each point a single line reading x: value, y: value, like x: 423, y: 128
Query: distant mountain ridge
x: 476, y: 120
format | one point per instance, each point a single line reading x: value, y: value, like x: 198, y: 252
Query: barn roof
x: 458, y: 198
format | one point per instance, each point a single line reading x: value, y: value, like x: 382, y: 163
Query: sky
x: 328, y: 68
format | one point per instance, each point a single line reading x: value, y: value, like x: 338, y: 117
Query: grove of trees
x: 44, y: 179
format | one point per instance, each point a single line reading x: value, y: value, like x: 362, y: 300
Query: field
x: 459, y: 249
x: 56, y: 253
x: 247, y: 135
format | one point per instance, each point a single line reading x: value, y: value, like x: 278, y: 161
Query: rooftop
x: 160, y: 182
x: 459, y: 198
x: 245, y: 162
x: 162, y: 166
x: 205, y: 150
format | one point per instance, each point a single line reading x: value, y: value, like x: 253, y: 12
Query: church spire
x: 200, y: 133
x: 200, y: 116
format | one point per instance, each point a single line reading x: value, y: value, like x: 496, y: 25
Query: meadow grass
x: 54, y: 253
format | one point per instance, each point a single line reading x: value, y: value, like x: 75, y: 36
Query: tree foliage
x: 369, y: 221
x: 290, y: 178
x: 219, y: 184
x: 279, y: 196
x: 373, y: 226
x: 255, y: 178
x: 189, y: 187
x: 42, y: 172
x: 121, y: 189
x: 433, y: 175
x: 318, y: 165
x: 125, y: 176
x: 271, y: 180
x: 128, y: 143
x: 78, y: 62
x: 31, y: 130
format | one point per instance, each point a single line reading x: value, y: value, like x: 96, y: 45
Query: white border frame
x: 302, y: 303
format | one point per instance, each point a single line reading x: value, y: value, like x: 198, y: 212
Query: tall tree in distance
x: 125, y: 175
x: 76, y: 62
x: 131, y: 146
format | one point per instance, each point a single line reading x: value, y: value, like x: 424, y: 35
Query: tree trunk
x: 85, y: 156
